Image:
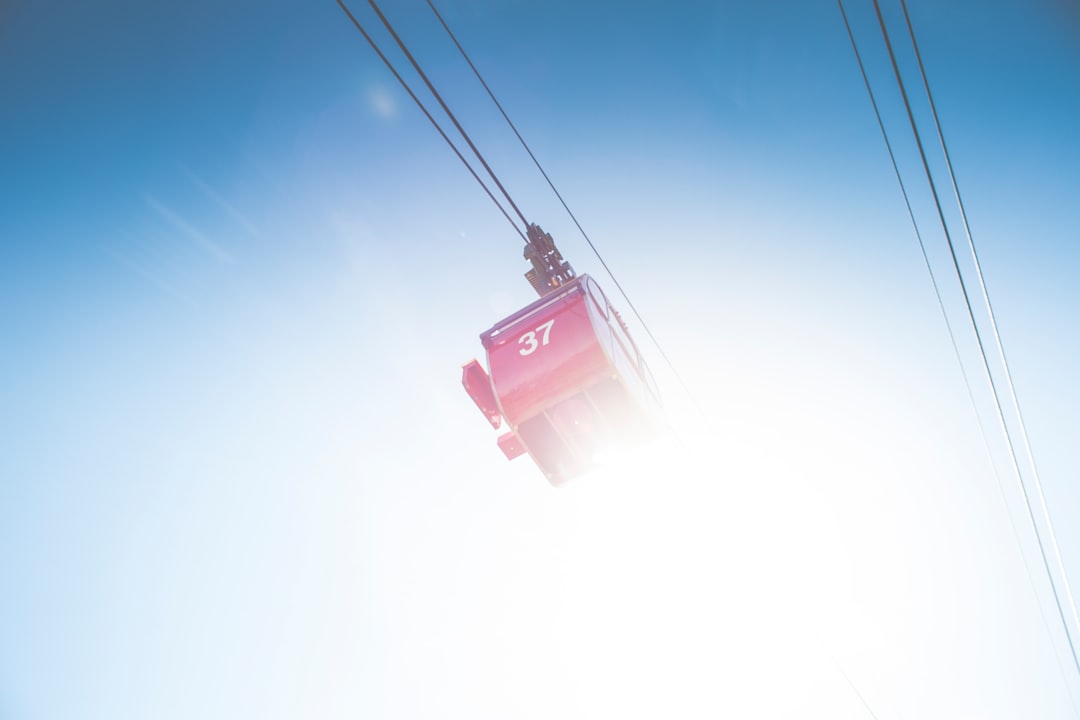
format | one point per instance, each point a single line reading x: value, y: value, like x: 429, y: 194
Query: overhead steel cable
x: 420, y: 104
x: 566, y: 207
x: 952, y: 336
x: 975, y: 328
x: 925, y: 257
x: 993, y: 323
x: 506, y: 117
x: 445, y: 107
x: 854, y: 688
x: 911, y: 214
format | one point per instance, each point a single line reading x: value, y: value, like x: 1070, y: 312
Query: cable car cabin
x: 568, y: 381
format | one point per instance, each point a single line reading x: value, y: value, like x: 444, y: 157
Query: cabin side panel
x: 545, y: 358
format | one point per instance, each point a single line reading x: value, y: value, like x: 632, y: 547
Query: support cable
x: 978, y: 334
x: 446, y: 108
x: 851, y: 684
x: 427, y: 114
x: 994, y: 326
x: 952, y: 336
x: 566, y: 207
x: 914, y: 223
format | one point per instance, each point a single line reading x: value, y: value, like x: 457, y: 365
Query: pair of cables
x: 446, y: 109
x: 1062, y: 595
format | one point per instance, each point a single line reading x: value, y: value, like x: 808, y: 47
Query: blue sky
x: 241, y: 273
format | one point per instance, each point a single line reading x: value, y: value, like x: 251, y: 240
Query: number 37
x: 529, y: 339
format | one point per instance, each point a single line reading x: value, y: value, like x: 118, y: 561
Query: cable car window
x: 599, y: 300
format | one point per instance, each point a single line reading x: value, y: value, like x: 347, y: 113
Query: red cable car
x: 564, y: 374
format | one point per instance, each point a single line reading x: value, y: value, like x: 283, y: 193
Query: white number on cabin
x: 530, y: 341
